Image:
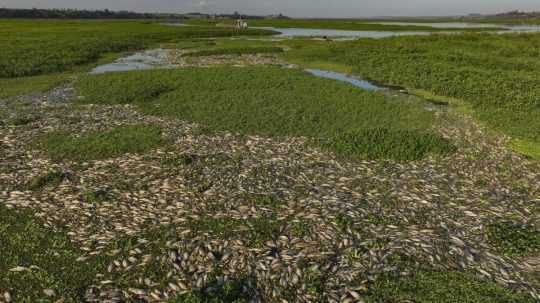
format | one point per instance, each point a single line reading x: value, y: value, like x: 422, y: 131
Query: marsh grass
x: 403, y: 145
x: 24, y: 85
x: 514, y: 239
x: 429, y: 286
x: 275, y: 102
x: 96, y: 196
x: 267, y: 201
x: 492, y: 76
x: 526, y: 147
x: 50, y: 180
x: 257, y: 230
x: 27, y: 243
x: 40, y: 46
x: 230, y: 292
x: 101, y: 144
x: 23, y: 120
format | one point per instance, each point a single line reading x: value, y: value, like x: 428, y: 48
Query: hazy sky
x: 295, y: 8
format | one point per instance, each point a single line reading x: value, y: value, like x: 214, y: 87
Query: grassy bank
x: 496, y: 74
x: 276, y: 102
x: 37, y: 47
x: 334, y: 24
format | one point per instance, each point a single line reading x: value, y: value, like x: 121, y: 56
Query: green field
x: 275, y: 102
x: 494, y: 73
x: 237, y: 176
x: 37, y: 47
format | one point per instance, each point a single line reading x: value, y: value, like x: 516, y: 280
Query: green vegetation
x: 257, y: 230
x: 23, y: 120
x: 230, y: 292
x: 376, y: 143
x: 525, y: 147
x: 96, y: 196
x: 235, y: 51
x: 35, y: 259
x: 514, y: 239
x: 38, y: 46
x: 267, y: 201
x: 35, y: 84
x: 336, y: 24
x: 101, y: 144
x: 441, y: 287
x: 23, y: 85
x: 50, y: 179
x: 270, y: 101
x: 496, y: 74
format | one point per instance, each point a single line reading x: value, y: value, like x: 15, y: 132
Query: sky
x: 294, y: 8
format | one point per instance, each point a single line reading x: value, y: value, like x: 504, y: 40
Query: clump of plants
x: 430, y: 286
x: 514, y: 239
x: 96, y: 196
x: 49, y: 179
x: 97, y: 145
x: 380, y: 143
x: 177, y: 160
x: 228, y: 292
x: 267, y: 200
x: 24, y: 120
x: 256, y: 230
x: 25, y: 244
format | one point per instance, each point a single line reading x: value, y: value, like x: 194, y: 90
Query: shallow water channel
x: 312, y: 32
x: 150, y: 59
x: 373, y: 86
x: 361, y: 83
x: 465, y: 25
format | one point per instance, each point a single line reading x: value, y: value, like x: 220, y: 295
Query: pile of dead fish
x: 290, y: 221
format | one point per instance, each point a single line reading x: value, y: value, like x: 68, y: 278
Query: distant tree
x: 80, y: 14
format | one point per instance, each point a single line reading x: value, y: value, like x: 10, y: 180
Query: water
x: 178, y: 24
x: 371, y: 86
x: 145, y: 60
x: 465, y: 25
x: 311, y: 32
x: 364, y: 84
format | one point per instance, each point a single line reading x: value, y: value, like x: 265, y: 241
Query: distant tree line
x: 80, y: 14
x: 518, y: 14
